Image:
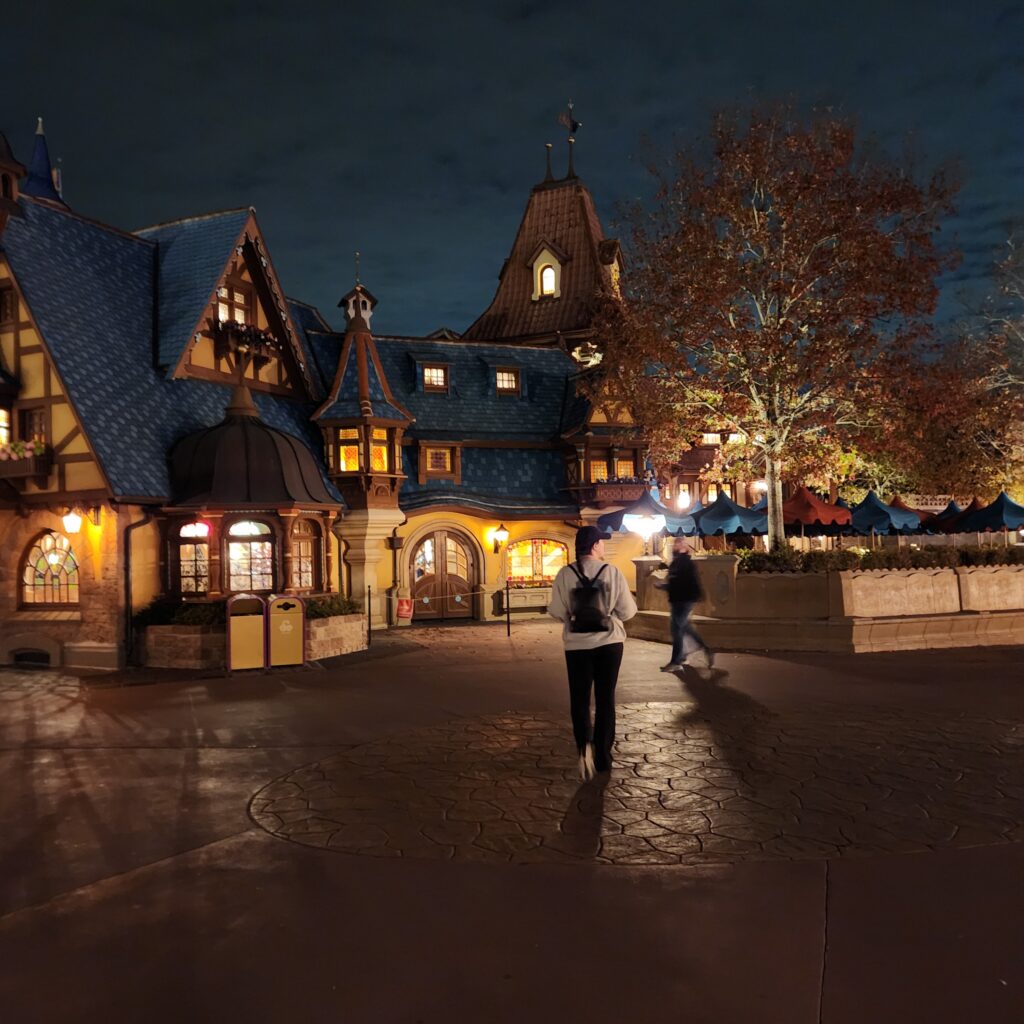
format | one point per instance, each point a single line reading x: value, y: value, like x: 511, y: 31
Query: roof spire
x: 548, y: 176
x: 40, y: 182
x: 571, y: 173
x: 357, y: 268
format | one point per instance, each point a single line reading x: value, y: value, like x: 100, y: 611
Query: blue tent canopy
x: 676, y: 523
x: 873, y: 515
x: 761, y: 505
x: 1003, y: 514
x: 724, y: 516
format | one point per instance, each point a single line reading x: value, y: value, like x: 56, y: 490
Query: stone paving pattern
x: 717, y: 780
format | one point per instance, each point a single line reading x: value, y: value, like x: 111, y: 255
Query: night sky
x: 413, y: 131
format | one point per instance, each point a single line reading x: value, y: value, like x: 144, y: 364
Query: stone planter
x: 189, y: 647
x: 990, y: 588
x: 340, y: 634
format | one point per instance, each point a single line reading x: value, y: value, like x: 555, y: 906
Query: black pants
x: 597, y: 667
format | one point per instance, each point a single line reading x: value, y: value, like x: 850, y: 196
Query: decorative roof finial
x: 571, y: 173
x: 548, y: 176
x: 357, y: 268
x: 39, y: 127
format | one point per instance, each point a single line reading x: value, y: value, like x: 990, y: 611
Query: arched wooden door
x: 443, y: 578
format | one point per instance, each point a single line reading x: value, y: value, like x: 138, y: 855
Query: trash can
x: 247, y: 632
x: 287, y: 634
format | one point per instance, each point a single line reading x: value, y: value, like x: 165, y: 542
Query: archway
x: 444, y: 577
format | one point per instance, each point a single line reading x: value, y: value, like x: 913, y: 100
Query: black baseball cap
x: 587, y: 537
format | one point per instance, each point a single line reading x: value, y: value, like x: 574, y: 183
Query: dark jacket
x: 683, y: 581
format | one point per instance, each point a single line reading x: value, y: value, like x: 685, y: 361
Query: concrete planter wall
x: 856, y: 610
x: 340, y: 634
x: 205, y: 647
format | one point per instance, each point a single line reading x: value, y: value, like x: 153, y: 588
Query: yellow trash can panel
x: 246, y: 633
x: 287, y: 631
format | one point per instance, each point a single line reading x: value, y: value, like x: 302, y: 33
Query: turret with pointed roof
x: 559, y: 265
x: 40, y: 181
x: 361, y: 420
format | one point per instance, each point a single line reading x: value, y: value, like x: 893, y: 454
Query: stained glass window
x: 348, y: 450
x: 537, y: 560
x: 439, y: 460
x: 50, y: 573
x: 379, y: 460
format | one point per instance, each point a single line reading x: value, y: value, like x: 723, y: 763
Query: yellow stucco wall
x: 145, y: 542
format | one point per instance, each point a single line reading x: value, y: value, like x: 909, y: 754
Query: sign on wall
x: 928, y: 502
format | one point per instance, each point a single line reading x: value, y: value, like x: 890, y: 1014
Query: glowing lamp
x: 760, y: 486
x: 72, y: 521
x: 195, y: 530
x: 500, y: 536
x: 643, y: 525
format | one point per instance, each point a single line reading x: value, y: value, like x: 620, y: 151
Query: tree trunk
x: 776, y: 526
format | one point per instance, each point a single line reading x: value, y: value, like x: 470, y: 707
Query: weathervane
x: 569, y: 122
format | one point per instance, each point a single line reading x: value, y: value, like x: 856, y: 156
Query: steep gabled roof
x: 562, y: 215
x: 191, y: 257
x: 90, y: 290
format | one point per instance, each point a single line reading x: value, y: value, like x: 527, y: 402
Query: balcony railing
x: 17, y: 464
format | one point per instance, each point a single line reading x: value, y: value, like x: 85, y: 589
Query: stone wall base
x: 844, y: 636
x: 187, y: 647
x: 340, y: 634
x: 89, y: 654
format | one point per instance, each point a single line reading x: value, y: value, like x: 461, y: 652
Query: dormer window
x: 234, y: 304
x: 507, y: 382
x: 547, y: 279
x: 547, y: 263
x: 435, y: 378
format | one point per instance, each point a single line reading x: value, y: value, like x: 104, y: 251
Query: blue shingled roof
x: 191, y: 256
x: 91, y: 291
x: 346, y: 404
x: 514, y: 480
x: 307, y: 320
x: 472, y: 408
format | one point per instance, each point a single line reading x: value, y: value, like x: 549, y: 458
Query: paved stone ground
x: 719, y: 779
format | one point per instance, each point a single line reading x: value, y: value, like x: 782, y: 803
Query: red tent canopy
x: 898, y: 502
x: 953, y: 524
x: 807, y: 508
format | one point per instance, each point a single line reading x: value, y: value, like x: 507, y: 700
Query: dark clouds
x: 413, y: 131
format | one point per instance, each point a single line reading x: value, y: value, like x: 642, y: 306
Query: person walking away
x: 684, y: 591
x: 591, y: 599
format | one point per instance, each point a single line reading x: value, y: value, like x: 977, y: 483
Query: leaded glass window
x: 50, y: 574
x: 537, y: 560
x: 380, y: 461
x: 250, y: 557
x: 305, y: 555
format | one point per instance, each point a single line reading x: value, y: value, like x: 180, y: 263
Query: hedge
x: 788, y: 560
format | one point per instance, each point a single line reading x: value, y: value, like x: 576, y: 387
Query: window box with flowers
x: 25, y: 459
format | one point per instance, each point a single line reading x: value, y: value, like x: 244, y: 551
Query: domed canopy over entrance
x: 244, y: 463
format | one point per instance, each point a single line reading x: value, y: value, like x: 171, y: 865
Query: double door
x: 442, y: 578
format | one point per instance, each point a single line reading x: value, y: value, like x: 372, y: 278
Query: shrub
x: 169, y: 611
x: 328, y: 607
x: 788, y: 560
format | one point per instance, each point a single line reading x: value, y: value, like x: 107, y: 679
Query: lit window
x: 624, y: 469
x: 194, y: 558
x: 50, y: 572
x: 726, y: 489
x: 598, y: 471
x: 5, y: 426
x: 735, y: 438
x: 439, y: 460
x: 712, y: 439
x: 305, y: 555
x: 547, y: 280
x: 712, y: 492
x: 33, y: 424
x: 536, y: 561
x: 683, y: 498
x: 250, y: 560
x: 348, y: 450
x: 379, y: 452
x: 234, y: 303
x: 423, y: 563
x: 435, y: 378
x: 195, y: 530
x: 508, y: 382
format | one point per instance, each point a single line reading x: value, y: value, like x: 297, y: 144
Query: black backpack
x: 587, y: 607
